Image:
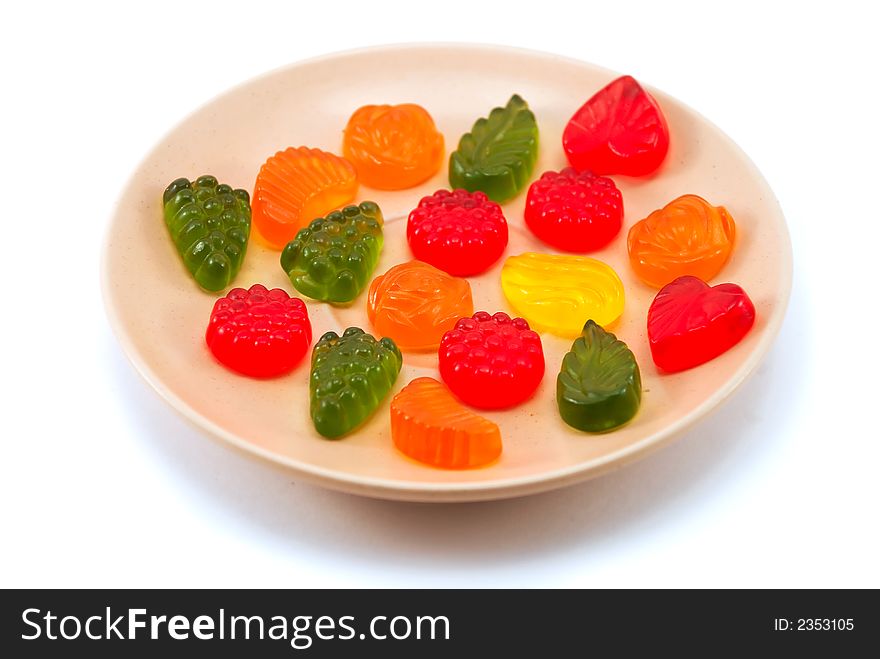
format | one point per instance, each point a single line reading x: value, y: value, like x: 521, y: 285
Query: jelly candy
x: 491, y: 362
x: 429, y: 425
x: 575, y: 212
x: 499, y: 154
x: 599, y: 387
x: 393, y: 146
x: 688, y: 236
x: 210, y: 225
x: 259, y: 332
x: 559, y: 293
x: 620, y: 130
x: 460, y: 232
x: 333, y: 258
x: 690, y: 322
x: 297, y: 185
x: 416, y: 304
x: 351, y: 375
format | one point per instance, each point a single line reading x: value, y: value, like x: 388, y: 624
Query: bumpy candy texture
x: 688, y: 236
x: 259, y: 332
x: 499, y: 154
x: 351, y: 375
x: 491, y: 361
x: 599, y: 387
x: 620, y: 130
x: 297, y: 185
x: 416, y: 304
x: 333, y: 258
x: 429, y: 425
x: 210, y: 224
x: 559, y: 293
x: 575, y: 212
x: 460, y: 232
x: 690, y: 323
x: 393, y: 146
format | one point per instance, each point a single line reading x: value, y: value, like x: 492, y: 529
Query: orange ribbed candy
x: 688, y: 236
x: 294, y: 187
x: 393, y: 146
x: 429, y: 425
x: 416, y: 304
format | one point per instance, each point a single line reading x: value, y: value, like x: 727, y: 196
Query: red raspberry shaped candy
x: 491, y: 362
x: 460, y: 232
x: 576, y: 212
x: 259, y: 332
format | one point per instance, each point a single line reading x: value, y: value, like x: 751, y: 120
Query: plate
x: 159, y: 314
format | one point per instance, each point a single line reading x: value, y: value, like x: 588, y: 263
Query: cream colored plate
x: 159, y: 314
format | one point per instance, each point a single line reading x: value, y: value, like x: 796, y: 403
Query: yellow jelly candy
x: 559, y: 293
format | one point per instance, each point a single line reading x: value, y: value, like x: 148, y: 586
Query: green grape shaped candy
x: 599, y: 387
x: 351, y: 375
x: 210, y: 224
x: 499, y: 154
x: 333, y: 258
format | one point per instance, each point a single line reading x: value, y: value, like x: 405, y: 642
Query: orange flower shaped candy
x: 416, y: 304
x: 393, y: 146
x: 688, y: 236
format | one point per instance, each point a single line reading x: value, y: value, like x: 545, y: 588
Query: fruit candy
x: 491, y: 362
x: 599, y: 387
x: 688, y: 236
x: 332, y: 258
x: 210, y: 225
x: 259, y: 332
x: 429, y: 425
x: 393, y: 146
x: 620, y: 130
x: 559, y: 293
x: 499, y: 153
x: 351, y: 375
x: 297, y: 185
x: 460, y: 232
x: 415, y: 304
x: 690, y: 322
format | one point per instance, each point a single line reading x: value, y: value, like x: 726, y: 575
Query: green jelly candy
x: 499, y: 154
x: 599, y: 387
x: 210, y: 224
x: 351, y: 374
x: 333, y: 258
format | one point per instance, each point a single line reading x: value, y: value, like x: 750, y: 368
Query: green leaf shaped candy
x: 599, y: 387
x: 499, y: 154
x: 351, y: 375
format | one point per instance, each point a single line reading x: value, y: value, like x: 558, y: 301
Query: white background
x: 101, y: 484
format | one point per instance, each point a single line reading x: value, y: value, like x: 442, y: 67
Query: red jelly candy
x: 576, y: 212
x: 259, y: 332
x: 620, y: 130
x: 491, y: 362
x: 690, y: 322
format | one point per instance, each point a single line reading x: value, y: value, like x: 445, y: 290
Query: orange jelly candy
x: 296, y: 186
x: 393, y: 146
x: 688, y: 236
x: 415, y: 304
x: 429, y: 425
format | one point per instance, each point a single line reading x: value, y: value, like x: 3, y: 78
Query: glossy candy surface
x: 351, y: 375
x: 688, y: 236
x: 690, y: 323
x: 491, y: 361
x: 333, y: 258
x: 210, y: 224
x: 259, y: 332
x: 297, y: 185
x: 429, y: 425
x: 393, y: 146
x: 416, y: 304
